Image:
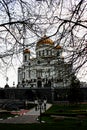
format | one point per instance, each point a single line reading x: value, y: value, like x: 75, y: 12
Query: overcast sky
x: 11, y: 72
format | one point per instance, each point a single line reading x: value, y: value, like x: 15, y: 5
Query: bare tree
x: 66, y: 22
x: 22, y: 22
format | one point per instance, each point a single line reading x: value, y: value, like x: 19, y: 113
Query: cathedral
x: 47, y: 70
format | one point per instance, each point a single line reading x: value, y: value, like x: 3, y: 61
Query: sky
x: 12, y: 73
x: 12, y: 77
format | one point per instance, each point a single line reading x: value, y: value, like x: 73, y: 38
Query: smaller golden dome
x: 45, y: 40
x: 58, y: 47
x: 26, y: 50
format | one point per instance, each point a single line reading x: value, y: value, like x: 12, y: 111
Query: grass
x: 68, y: 109
x: 67, y: 116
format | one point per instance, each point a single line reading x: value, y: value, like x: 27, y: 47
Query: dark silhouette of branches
x: 62, y: 20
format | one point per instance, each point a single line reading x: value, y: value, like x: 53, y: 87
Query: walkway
x: 34, y: 112
x: 28, y: 117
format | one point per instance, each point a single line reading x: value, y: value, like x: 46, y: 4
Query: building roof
x: 26, y: 50
x: 58, y: 47
x: 45, y: 40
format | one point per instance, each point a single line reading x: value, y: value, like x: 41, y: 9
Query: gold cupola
x: 26, y: 51
x: 45, y: 41
x: 58, y: 47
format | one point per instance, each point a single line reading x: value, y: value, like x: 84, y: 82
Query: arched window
x: 58, y: 53
x: 29, y: 63
x: 47, y: 52
x: 38, y: 62
x: 25, y: 58
x: 43, y: 53
x: 39, y: 53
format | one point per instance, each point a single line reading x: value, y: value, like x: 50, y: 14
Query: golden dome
x: 27, y: 51
x: 45, y: 40
x: 58, y: 47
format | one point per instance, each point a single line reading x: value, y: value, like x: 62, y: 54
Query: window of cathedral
x: 23, y: 74
x: 38, y: 62
x: 39, y: 53
x: 29, y: 63
x: 52, y: 79
x: 31, y: 80
x: 60, y: 80
x: 29, y: 72
x: 58, y: 53
x: 49, y: 70
x: 23, y: 81
x: 36, y: 53
x: 26, y: 81
x: 47, y: 52
x: 43, y: 53
x: 25, y: 58
x: 34, y: 80
x: 43, y: 80
x: 48, y: 62
x: 52, y: 52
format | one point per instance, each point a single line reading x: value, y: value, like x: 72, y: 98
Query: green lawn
x: 67, y: 109
x: 67, y: 116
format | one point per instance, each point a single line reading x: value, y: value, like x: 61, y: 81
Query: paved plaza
x: 30, y: 116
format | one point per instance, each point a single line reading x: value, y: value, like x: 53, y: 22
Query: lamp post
x: 40, y: 105
x: 13, y: 84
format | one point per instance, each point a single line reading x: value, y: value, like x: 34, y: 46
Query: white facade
x: 48, y: 69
